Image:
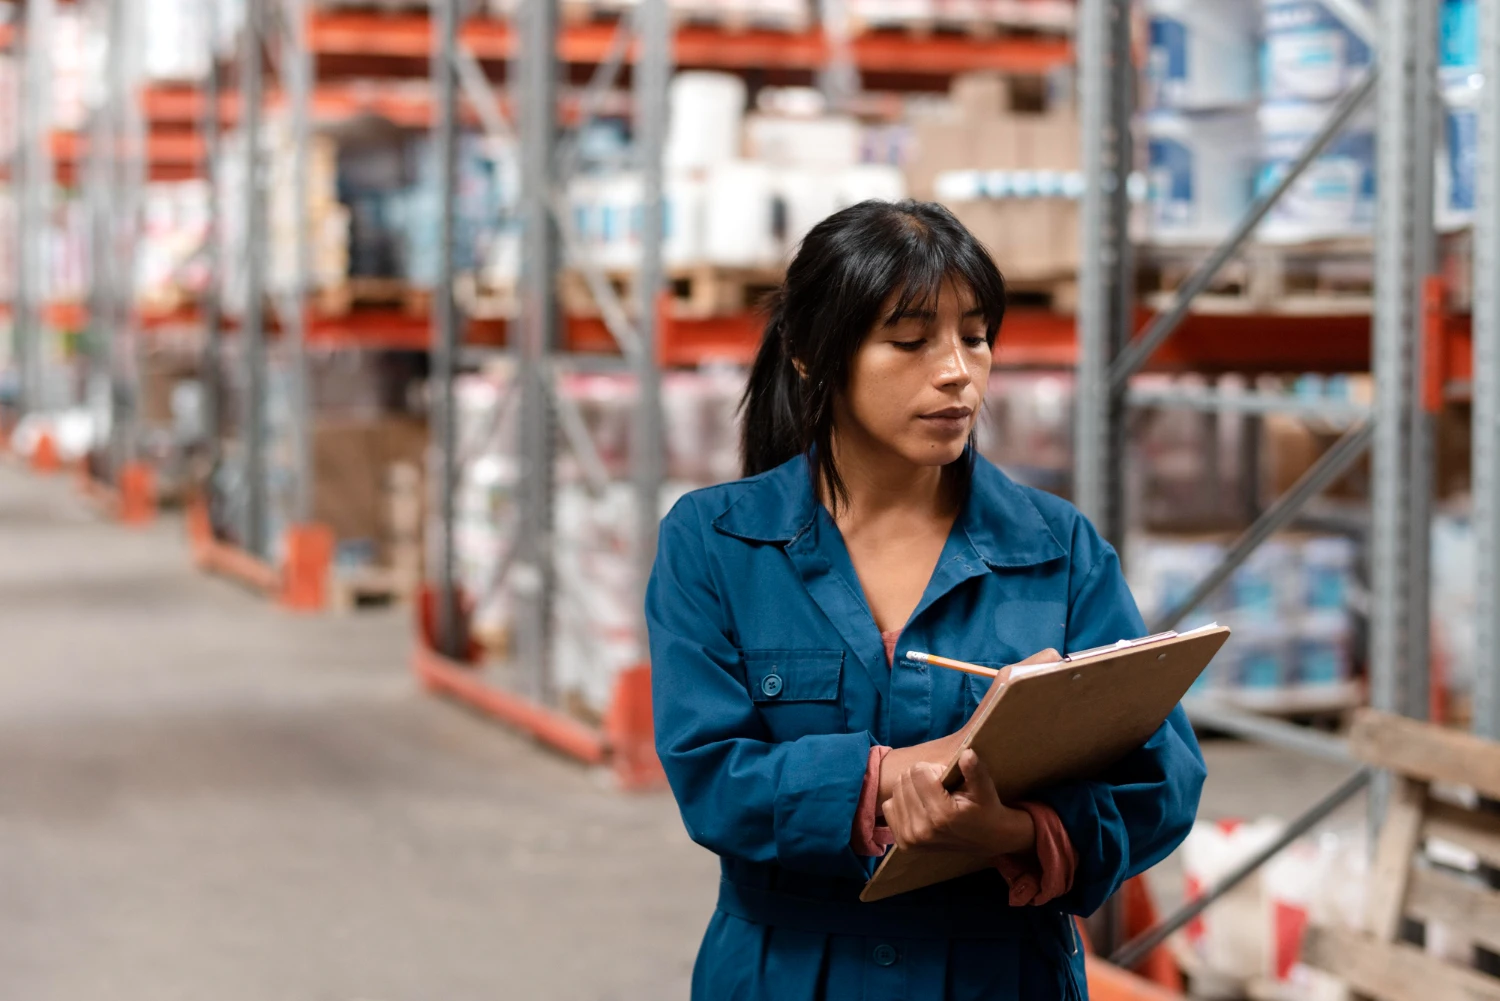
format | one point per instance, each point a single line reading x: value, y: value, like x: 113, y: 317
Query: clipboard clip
x: 1068, y: 658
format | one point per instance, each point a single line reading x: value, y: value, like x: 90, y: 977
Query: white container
x: 1310, y: 53
x: 707, y: 114
x: 1335, y: 196
x: 870, y: 181
x: 830, y: 142
x: 686, y: 196
x: 738, y: 223
x: 1202, y: 173
x: 1203, y: 53
x: 804, y: 198
x: 1458, y: 154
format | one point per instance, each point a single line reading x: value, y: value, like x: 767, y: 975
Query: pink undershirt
x: 1035, y: 877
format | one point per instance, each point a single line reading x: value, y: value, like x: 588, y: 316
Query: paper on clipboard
x: 1022, y: 671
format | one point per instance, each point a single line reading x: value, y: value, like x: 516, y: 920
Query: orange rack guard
x: 213, y: 556
x: 1108, y: 982
x: 626, y: 741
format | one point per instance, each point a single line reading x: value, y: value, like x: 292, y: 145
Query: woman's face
x: 917, y: 381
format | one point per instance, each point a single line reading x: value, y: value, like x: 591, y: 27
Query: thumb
x: 971, y: 767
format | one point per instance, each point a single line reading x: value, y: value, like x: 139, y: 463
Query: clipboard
x: 1042, y: 724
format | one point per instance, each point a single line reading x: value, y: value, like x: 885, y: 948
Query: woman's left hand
x: 971, y: 818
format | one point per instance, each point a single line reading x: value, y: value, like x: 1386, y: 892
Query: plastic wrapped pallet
x: 1202, y: 173
x: 1203, y: 53
x: 1335, y: 196
x: 1310, y: 53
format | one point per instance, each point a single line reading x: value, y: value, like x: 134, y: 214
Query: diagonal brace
x: 1334, y: 463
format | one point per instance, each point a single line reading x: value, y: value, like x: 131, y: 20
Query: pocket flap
x: 793, y: 675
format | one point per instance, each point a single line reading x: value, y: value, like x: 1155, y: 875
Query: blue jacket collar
x: 1001, y: 521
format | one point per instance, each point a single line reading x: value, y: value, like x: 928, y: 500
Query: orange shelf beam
x: 463, y: 683
x: 409, y: 37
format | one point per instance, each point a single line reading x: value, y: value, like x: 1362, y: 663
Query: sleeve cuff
x: 871, y: 839
x: 1046, y: 873
x: 820, y: 783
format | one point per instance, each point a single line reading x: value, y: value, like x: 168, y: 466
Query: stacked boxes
x: 1289, y: 605
x: 1010, y: 176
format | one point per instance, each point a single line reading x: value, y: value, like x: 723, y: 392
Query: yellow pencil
x: 956, y: 665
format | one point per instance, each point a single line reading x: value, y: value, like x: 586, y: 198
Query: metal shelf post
x: 532, y: 574
x: 211, y: 376
x: 253, y: 422
x: 1487, y: 381
x: 1401, y: 462
x: 652, y: 76
x: 445, y: 343
x: 296, y: 70
x: 1106, y: 90
x: 34, y: 202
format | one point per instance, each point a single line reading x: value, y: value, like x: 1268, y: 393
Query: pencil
x: 956, y: 665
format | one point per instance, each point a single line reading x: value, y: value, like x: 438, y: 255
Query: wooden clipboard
x: 1049, y: 723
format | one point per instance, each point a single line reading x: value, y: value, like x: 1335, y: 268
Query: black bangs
x: 836, y: 291
x: 931, y: 264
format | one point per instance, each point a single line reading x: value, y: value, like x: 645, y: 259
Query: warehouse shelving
x: 408, y: 36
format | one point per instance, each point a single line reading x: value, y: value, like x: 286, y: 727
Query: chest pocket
x: 976, y: 688
x: 796, y: 691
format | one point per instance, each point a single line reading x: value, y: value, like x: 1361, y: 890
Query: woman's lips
x: 952, y: 420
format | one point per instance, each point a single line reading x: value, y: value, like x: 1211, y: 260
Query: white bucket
x: 1335, y: 196
x: 870, y: 181
x: 682, y: 222
x: 1203, y: 53
x: 1202, y: 173
x: 1310, y: 53
x: 1458, y: 155
x: 806, y: 197
x: 738, y: 228
x: 707, y: 113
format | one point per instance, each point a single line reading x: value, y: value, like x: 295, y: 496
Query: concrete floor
x: 202, y: 797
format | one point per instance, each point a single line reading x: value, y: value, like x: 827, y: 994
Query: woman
x: 867, y: 525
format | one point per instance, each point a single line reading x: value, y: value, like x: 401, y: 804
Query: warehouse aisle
x: 202, y: 797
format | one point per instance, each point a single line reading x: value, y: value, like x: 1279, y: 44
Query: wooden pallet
x: 1376, y: 962
x: 730, y: 21
x: 1327, y: 278
x: 922, y: 28
x: 342, y: 299
x: 697, y: 292
x: 399, y: 581
x: 485, y: 302
x: 1060, y: 295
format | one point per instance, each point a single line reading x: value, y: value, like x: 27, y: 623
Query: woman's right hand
x: 900, y: 760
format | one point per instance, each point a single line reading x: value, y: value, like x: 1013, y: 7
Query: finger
x: 918, y: 823
x: 973, y: 770
x: 1046, y: 656
x: 978, y: 785
x: 928, y: 787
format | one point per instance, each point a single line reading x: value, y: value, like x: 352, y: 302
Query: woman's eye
x: 915, y: 345
x: 976, y: 340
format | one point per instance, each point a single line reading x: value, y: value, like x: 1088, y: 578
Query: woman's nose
x: 953, y: 364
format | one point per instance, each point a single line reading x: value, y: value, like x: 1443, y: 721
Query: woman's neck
x: 879, y: 484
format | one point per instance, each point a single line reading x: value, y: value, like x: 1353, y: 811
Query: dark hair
x: 835, y: 288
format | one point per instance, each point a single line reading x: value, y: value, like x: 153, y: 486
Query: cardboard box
x: 981, y: 96
x: 937, y: 146
x: 996, y: 144
x: 352, y: 462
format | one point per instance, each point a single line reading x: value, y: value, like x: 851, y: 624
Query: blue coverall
x: 770, y: 685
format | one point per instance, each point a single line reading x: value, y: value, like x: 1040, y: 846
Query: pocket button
x: 885, y: 955
x: 771, y: 685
